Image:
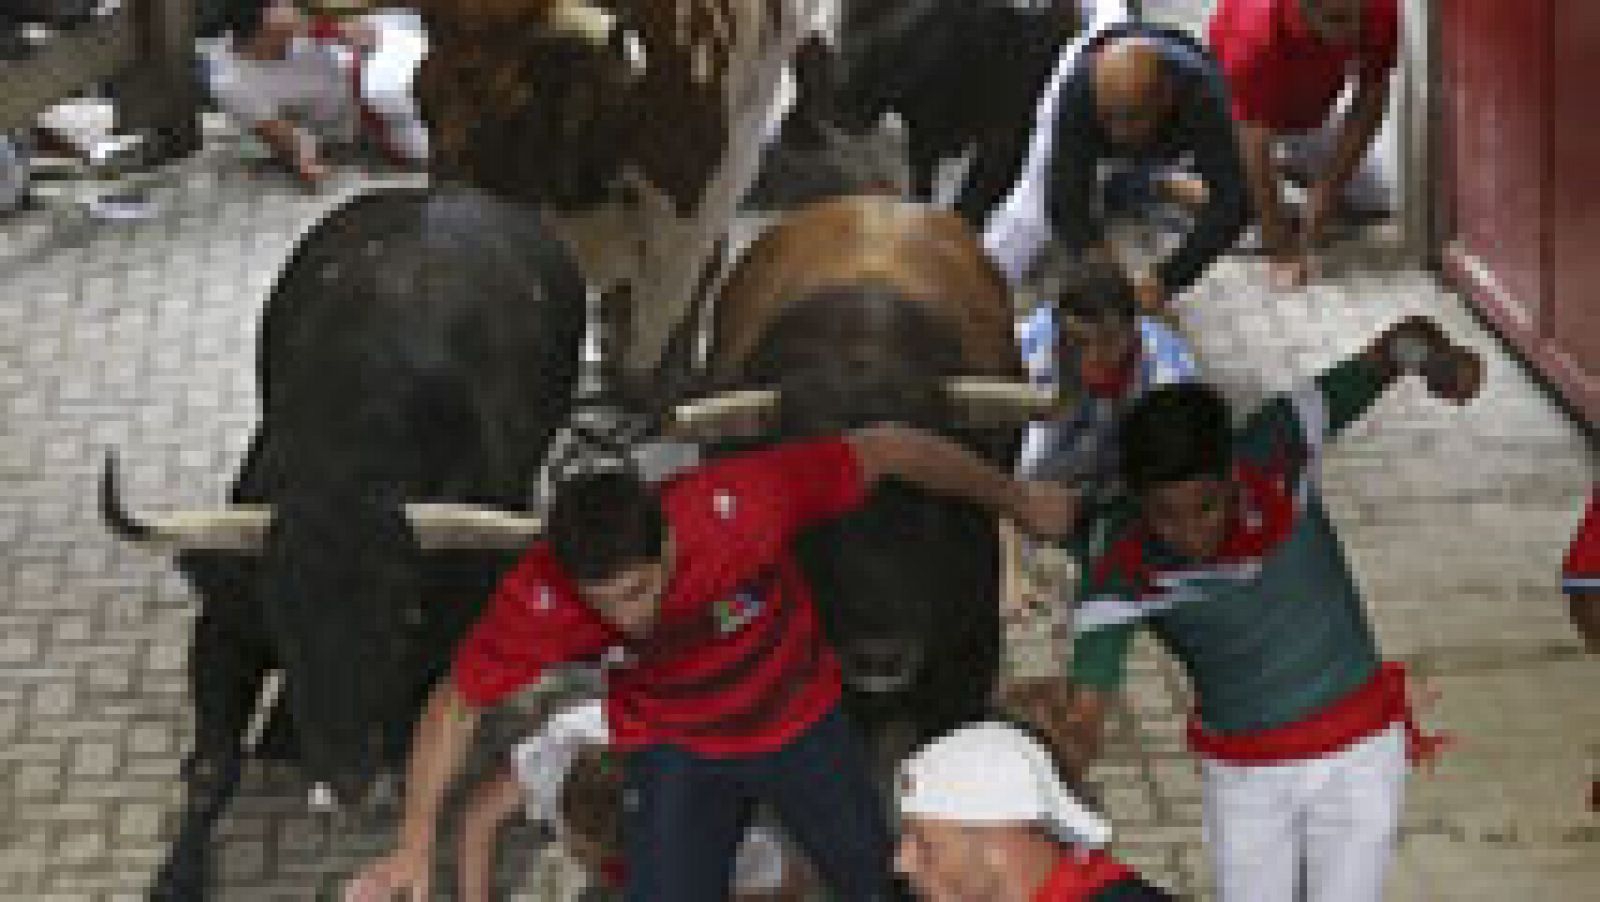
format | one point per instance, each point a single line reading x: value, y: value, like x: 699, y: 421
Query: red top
x: 736, y: 663
x: 1078, y: 878
x: 1281, y: 75
x: 1581, y: 573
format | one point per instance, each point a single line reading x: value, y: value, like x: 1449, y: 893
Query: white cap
x: 994, y: 772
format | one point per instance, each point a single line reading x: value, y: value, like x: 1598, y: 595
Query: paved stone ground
x: 140, y: 337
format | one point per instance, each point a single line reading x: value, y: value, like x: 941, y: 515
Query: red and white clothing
x: 1581, y: 572
x: 328, y: 90
x: 542, y: 762
x: 1281, y: 75
x: 736, y: 663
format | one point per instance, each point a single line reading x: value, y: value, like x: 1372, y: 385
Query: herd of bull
x: 421, y: 348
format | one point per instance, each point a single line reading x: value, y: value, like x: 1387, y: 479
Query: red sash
x: 1368, y: 710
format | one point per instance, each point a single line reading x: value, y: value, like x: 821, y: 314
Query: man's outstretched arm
x: 441, y: 742
x: 945, y: 467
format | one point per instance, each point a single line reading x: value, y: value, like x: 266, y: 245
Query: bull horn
x: 581, y: 20
x: 741, y: 412
x: 986, y: 402
x: 244, y: 527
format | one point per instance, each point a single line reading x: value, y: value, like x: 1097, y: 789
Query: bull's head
x: 336, y: 586
x: 887, y: 574
x: 551, y: 101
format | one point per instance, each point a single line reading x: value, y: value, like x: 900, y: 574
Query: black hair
x: 1097, y: 290
x: 600, y: 524
x: 1176, y: 433
x: 244, y: 17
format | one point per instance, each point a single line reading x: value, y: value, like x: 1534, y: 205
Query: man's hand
x: 1150, y: 295
x: 406, y: 871
x: 1289, y: 268
x: 1452, y: 373
x: 1046, y: 510
x: 1070, y: 719
x: 312, y: 172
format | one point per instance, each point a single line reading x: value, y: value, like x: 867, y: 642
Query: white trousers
x: 1314, y: 831
x: 1020, y: 227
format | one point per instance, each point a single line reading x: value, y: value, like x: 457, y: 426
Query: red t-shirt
x: 736, y: 663
x: 1281, y: 75
x: 1581, y: 573
x: 1080, y: 878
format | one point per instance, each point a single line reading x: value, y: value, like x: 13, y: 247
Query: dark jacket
x: 1200, y: 129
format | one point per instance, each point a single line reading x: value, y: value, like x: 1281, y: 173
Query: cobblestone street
x: 139, y: 337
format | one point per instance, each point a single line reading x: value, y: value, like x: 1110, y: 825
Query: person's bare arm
x: 945, y: 467
x: 437, y: 752
x: 1255, y: 145
x: 1356, y: 132
x: 289, y: 144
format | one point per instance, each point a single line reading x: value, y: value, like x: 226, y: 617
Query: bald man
x: 985, y: 817
x: 1139, y: 104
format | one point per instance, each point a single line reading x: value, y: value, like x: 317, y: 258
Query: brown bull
x: 926, y: 254
x: 859, y: 310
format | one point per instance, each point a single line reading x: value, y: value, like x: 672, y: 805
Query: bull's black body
x: 417, y: 347
x: 908, y: 583
x: 963, y: 75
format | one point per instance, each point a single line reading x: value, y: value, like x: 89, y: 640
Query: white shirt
x: 309, y: 86
x: 542, y: 761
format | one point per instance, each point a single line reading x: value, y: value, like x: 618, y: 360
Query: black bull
x: 416, y: 347
x: 964, y: 75
x: 858, y: 311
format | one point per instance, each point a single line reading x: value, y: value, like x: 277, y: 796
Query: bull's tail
x: 113, y: 511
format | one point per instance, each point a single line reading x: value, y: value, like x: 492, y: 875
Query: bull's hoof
x: 183, y: 878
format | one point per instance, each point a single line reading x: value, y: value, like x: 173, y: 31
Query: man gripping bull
x: 720, y: 687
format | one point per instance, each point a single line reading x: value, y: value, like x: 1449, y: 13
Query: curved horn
x: 742, y: 412
x: 441, y: 525
x: 232, y: 528
x: 583, y: 20
x: 985, y: 402
x: 244, y: 527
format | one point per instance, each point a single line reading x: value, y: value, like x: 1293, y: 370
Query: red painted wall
x: 1519, y: 90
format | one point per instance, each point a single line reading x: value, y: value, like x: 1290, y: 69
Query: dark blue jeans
x: 685, y: 814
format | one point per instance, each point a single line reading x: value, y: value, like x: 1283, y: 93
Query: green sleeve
x: 1347, y: 391
x: 1350, y: 389
x: 1100, y: 657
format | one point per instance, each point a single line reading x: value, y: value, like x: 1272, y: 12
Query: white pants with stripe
x: 1322, y: 830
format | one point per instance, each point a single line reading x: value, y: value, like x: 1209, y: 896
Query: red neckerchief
x: 614, y: 871
x: 1111, y: 384
x: 1079, y: 876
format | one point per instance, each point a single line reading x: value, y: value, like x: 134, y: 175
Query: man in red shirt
x: 720, y: 687
x: 1287, y: 63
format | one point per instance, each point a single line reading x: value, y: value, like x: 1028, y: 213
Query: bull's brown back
x: 928, y: 254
